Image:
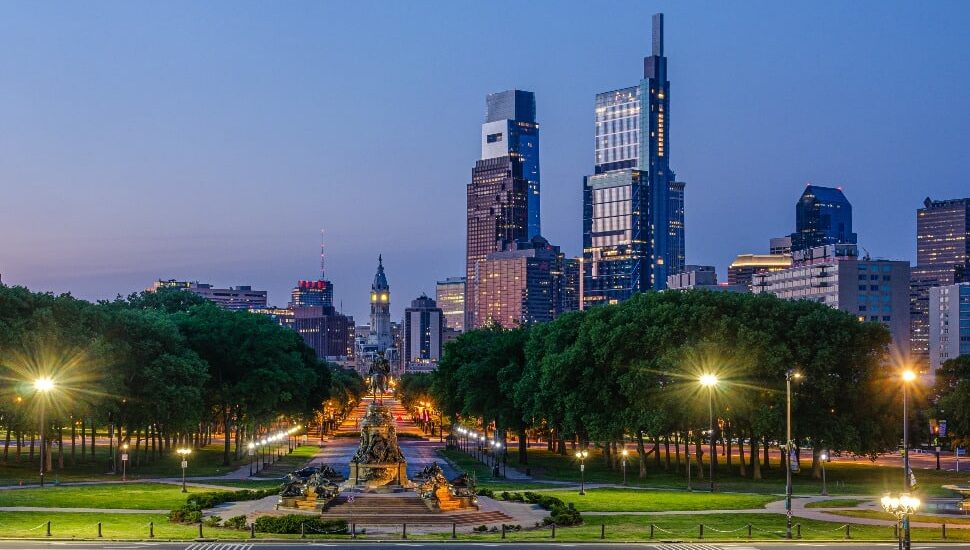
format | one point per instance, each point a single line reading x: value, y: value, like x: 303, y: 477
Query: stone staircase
x: 368, y: 509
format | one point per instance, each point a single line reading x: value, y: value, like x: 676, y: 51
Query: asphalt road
x: 30, y: 545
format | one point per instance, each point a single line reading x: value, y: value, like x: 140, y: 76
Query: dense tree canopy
x: 631, y: 370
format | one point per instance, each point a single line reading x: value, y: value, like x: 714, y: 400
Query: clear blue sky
x: 211, y: 141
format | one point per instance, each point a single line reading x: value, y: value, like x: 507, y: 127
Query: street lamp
x: 710, y: 380
x: 184, y: 453
x: 252, y: 453
x: 908, y: 377
x: 789, y: 375
x: 823, y: 457
x: 901, y: 508
x: 124, y: 462
x: 581, y: 455
x: 43, y: 387
x: 625, y: 453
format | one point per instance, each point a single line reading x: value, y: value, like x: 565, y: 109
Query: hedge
x: 291, y: 524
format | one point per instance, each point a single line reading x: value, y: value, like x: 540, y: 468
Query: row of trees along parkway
x: 631, y: 371
x: 154, y: 371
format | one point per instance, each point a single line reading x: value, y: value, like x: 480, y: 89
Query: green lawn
x: 641, y: 500
x: 138, y: 496
x: 876, y: 514
x: 244, y: 483
x: 835, y: 503
x: 288, y: 463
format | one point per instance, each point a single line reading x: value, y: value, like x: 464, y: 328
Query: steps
x: 397, y: 509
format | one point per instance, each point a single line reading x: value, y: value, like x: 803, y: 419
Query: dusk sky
x: 212, y: 141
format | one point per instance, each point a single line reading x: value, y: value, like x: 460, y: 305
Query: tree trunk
x: 84, y: 441
x: 60, y: 447
x: 656, y: 451
x: 226, y: 428
x: 677, y: 449
x: 523, y: 446
x: 30, y: 458
x: 6, y: 445
x: 699, y: 455
x: 816, y: 462
x: 742, y: 467
x: 765, y: 449
x: 641, y: 453
x: 94, y: 435
x: 755, y: 462
x: 20, y: 444
x: 667, y: 452
x: 73, y: 442
x: 729, y: 433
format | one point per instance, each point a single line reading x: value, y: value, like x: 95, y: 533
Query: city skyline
x: 209, y: 161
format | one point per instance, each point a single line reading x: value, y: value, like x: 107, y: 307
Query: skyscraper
x: 380, y: 310
x: 822, y: 216
x: 498, y: 197
x: 942, y: 259
x: 633, y: 219
x: 423, y: 326
x: 949, y: 323
x: 519, y: 285
x: 450, y: 297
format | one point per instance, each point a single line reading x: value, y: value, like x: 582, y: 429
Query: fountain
x: 378, y: 462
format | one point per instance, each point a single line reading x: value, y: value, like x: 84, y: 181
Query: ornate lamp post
x: 709, y: 381
x: 908, y: 377
x: 901, y: 508
x: 184, y: 453
x: 251, y: 450
x: 124, y: 462
x: 824, y: 457
x: 581, y: 455
x: 43, y: 386
x: 789, y: 375
x: 625, y: 454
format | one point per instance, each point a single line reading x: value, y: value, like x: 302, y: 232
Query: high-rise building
x: 450, y: 297
x: 942, y: 259
x: 949, y: 323
x: 823, y: 216
x: 329, y: 333
x: 423, y: 327
x: 236, y: 298
x: 834, y: 275
x: 745, y: 266
x: 511, y: 130
x: 780, y: 245
x: 518, y: 285
x: 317, y: 293
x: 498, y: 197
x: 633, y: 218
x: 571, y: 286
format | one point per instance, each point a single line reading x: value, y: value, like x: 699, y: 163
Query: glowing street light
x: 709, y: 381
x: 581, y: 455
x: 908, y: 377
x: 901, y: 508
x: 124, y: 462
x: 43, y: 386
x: 625, y: 454
x: 824, y: 457
x: 789, y: 376
x: 184, y: 453
x: 251, y: 451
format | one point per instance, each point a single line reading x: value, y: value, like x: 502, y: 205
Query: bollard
x: 48, y: 528
x: 353, y: 530
x: 200, y: 530
x: 603, y: 531
x: 454, y: 532
x: 701, y: 531
x: 798, y: 530
x: 553, y: 530
x: 848, y: 535
x: 404, y: 530
x: 99, y: 530
x: 503, y: 530
x: 943, y: 525
x: 651, y: 530
x: 302, y: 530
x: 252, y: 530
x: 151, y: 529
x: 749, y: 530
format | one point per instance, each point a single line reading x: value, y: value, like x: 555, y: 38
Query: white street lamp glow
x: 708, y: 380
x: 909, y: 376
x: 43, y: 384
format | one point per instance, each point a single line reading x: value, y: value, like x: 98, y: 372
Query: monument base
x: 377, y: 476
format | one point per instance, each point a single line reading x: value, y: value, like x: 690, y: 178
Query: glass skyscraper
x: 822, y: 216
x: 633, y: 219
x: 510, y: 129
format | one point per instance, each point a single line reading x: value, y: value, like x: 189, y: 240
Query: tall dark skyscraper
x: 633, y: 207
x: 822, y: 216
x: 942, y: 259
x: 499, y: 194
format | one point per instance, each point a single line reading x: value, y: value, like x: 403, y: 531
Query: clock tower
x: 380, y: 310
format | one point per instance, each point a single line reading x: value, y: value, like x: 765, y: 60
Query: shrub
x: 480, y: 529
x: 504, y: 495
x: 290, y: 524
x: 486, y: 492
x: 212, y: 521
x: 564, y: 516
x: 191, y: 511
x: 235, y: 522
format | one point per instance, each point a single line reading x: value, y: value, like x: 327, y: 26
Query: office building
x: 692, y: 276
x: 949, y: 323
x: 823, y: 216
x: 571, y: 285
x: 942, y: 259
x: 834, y: 275
x: 330, y: 334
x: 236, y: 298
x: 317, y: 293
x: 423, y: 327
x: 498, y: 197
x: 745, y: 266
x: 518, y: 285
x: 633, y: 221
x: 450, y: 297
x: 780, y: 245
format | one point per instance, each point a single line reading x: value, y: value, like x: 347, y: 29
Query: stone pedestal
x: 373, y: 476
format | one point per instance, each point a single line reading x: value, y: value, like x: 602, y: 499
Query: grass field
x: 835, y: 503
x: 136, y: 496
x: 875, y: 514
x: 244, y: 483
x: 640, y: 500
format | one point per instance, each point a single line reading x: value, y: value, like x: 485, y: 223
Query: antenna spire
x: 323, y: 263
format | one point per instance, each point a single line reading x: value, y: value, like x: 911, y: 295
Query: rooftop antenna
x: 323, y: 275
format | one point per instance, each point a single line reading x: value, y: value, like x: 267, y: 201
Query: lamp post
x: 789, y: 375
x: 581, y: 455
x: 184, y: 453
x: 908, y: 377
x: 625, y: 454
x: 710, y: 380
x: 124, y: 462
x: 823, y: 457
x: 43, y: 387
x: 901, y: 508
x: 251, y: 450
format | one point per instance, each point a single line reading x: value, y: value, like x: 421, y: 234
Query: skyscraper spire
x: 323, y: 264
x: 658, y: 34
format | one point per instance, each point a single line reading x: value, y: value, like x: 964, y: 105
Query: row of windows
x: 863, y: 277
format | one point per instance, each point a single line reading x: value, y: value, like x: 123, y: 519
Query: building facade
x: 511, y: 130
x: 330, y: 334
x: 236, y: 298
x: 633, y: 219
x: 745, y: 266
x: 834, y: 275
x: 317, y: 293
x: 518, y: 285
x: 424, y: 323
x: 942, y: 259
x: 949, y: 323
x: 823, y: 216
x: 450, y: 297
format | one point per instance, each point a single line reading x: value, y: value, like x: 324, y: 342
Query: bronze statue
x: 380, y: 371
